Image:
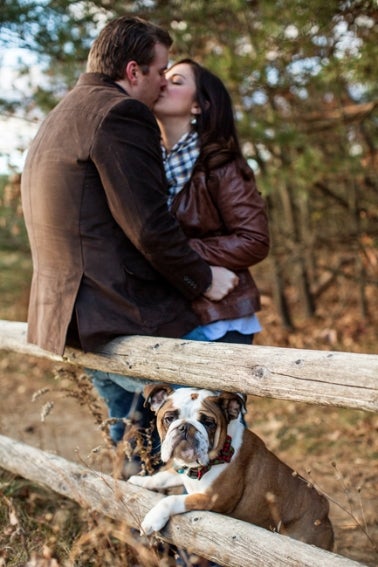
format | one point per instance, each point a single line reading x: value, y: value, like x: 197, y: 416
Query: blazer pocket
x: 141, y: 270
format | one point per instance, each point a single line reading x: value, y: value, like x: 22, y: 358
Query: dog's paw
x: 138, y: 480
x: 144, y: 481
x: 155, y: 520
x: 159, y: 515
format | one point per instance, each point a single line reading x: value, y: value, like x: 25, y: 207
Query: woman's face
x: 177, y: 98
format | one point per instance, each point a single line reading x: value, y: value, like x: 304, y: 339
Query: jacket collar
x: 98, y: 79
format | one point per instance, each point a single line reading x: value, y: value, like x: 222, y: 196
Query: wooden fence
x: 317, y: 377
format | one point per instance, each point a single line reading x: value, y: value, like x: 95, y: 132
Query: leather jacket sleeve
x: 225, y: 217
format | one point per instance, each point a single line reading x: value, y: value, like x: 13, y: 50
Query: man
x: 108, y: 257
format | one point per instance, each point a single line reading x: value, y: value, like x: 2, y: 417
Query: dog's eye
x: 169, y: 418
x: 208, y: 422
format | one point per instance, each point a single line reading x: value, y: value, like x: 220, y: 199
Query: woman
x: 212, y: 192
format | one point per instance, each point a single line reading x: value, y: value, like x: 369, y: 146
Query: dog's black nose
x: 183, y: 428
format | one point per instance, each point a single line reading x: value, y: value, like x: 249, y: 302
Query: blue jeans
x: 123, y: 394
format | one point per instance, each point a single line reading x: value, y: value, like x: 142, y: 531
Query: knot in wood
x: 260, y: 371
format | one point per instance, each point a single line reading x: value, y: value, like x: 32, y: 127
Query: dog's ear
x: 232, y: 404
x: 155, y: 394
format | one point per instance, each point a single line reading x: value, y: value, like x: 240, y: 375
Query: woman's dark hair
x: 122, y: 40
x: 215, y: 124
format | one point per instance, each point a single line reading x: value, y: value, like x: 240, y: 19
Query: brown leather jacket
x: 106, y: 251
x: 225, y: 219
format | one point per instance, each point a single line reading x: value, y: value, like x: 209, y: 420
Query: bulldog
x: 226, y: 468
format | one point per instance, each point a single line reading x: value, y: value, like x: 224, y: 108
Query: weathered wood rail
x: 317, y: 377
x: 224, y: 540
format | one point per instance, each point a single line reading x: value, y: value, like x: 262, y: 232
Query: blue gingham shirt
x: 179, y: 163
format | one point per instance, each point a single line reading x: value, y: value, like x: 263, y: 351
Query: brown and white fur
x: 255, y: 486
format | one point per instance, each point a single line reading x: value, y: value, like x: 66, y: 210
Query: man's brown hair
x: 122, y: 40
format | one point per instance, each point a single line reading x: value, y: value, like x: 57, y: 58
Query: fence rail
x: 226, y: 541
x: 317, y: 377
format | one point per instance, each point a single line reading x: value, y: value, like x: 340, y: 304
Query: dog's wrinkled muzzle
x: 185, y: 443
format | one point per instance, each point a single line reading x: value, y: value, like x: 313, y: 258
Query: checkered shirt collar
x: 179, y: 162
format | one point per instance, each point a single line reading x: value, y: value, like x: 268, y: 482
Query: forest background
x: 303, y: 79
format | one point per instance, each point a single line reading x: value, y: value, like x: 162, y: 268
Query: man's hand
x: 223, y: 282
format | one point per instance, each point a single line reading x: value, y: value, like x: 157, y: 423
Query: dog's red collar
x: 224, y: 456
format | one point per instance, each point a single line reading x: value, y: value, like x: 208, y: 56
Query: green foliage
x: 12, y: 228
x: 278, y: 69
x: 58, y: 33
x: 15, y: 260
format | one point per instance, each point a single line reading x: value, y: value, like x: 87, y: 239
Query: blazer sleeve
x: 126, y: 153
x: 244, y: 238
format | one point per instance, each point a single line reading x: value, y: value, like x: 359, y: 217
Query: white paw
x: 155, y: 520
x: 159, y: 515
x: 144, y: 481
x: 139, y: 480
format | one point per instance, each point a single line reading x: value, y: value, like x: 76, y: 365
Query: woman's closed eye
x: 176, y: 79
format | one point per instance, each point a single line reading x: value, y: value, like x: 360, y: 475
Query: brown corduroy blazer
x: 106, y: 251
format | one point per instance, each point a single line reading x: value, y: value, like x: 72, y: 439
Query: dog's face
x: 192, y: 424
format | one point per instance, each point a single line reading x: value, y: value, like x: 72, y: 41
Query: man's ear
x: 156, y: 394
x: 232, y: 404
x: 131, y: 72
